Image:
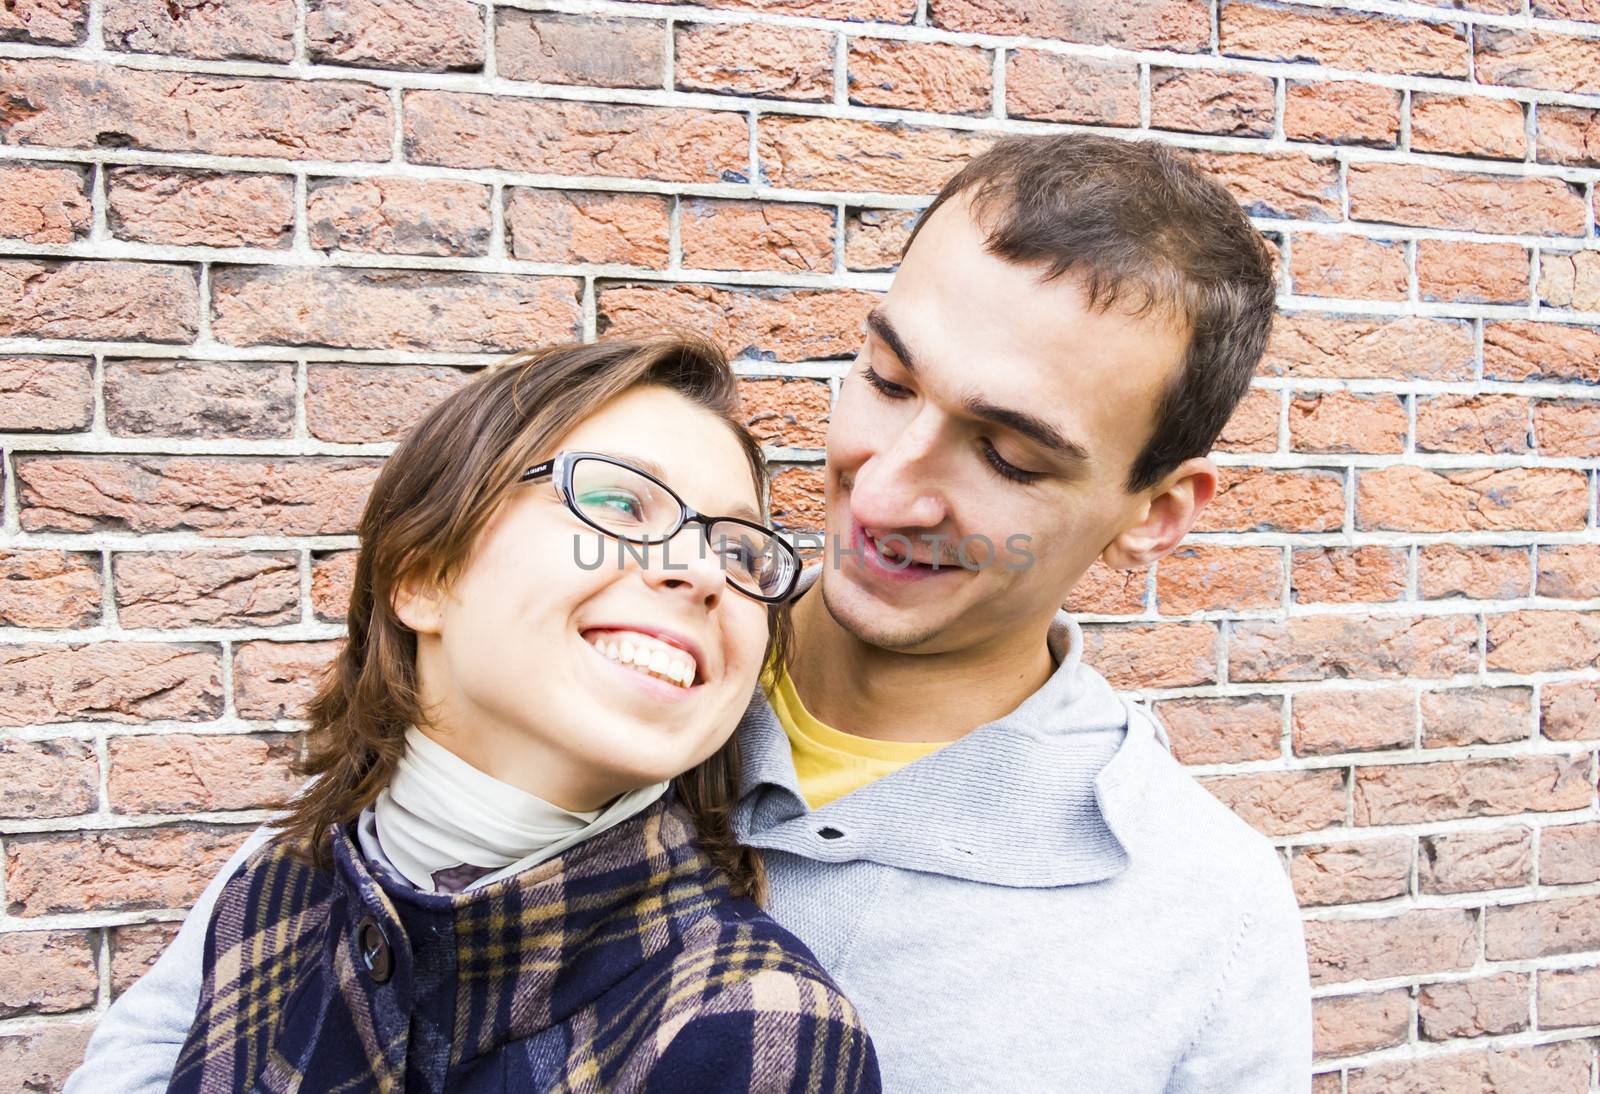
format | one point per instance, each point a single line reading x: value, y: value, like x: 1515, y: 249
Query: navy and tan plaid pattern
x: 623, y: 965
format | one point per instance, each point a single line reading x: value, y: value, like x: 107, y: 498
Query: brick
x: 1364, y: 43
x: 1206, y: 578
x: 1152, y: 655
x: 1553, y: 62
x: 184, y: 773
x: 1535, y: 641
x: 362, y: 404
x: 49, y: 589
x: 41, y: 1058
x: 1483, y: 573
x: 1566, y: 427
x: 155, y: 397
x: 1197, y: 101
x: 1445, y: 789
x: 1423, y: 941
x: 1569, y: 997
x: 331, y: 576
x: 1053, y: 87
x: 1328, y: 1082
x: 786, y: 412
x: 1254, y: 425
x: 1292, y: 186
x: 255, y: 30
x: 70, y: 104
x: 432, y: 35
x: 1180, y: 25
x: 797, y: 501
x: 47, y: 972
x: 754, y: 59
x: 107, y: 871
x: 1318, y: 647
x: 1348, y: 575
x: 206, y: 588
x: 110, y: 682
x: 1472, y: 273
x: 1104, y: 591
x: 1342, y: 112
x: 859, y: 11
x: 580, y: 139
x: 575, y: 49
x: 1473, y: 1008
x: 1327, y: 723
x: 929, y: 76
x: 274, y: 680
x: 1569, y: 854
x: 134, y: 949
x: 213, y: 495
x: 1415, y: 499
x: 399, y: 216
x: 1281, y: 803
x: 47, y: 22
x: 1570, y: 280
x: 875, y: 238
x: 1221, y: 731
x: 1465, y: 125
x: 1473, y: 423
x: 743, y: 235
x: 1427, y: 197
x: 200, y: 208
x: 1518, y: 350
x: 1258, y: 499
x: 390, y: 309
x: 1568, y: 135
x: 1581, y: 10
x: 1542, y: 928
x: 583, y: 226
x: 1351, y: 872
x: 1464, y: 862
x: 1350, y: 267
x: 46, y: 394
x: 775, y: 324
x: 1339, y: 421
x: 840, y: 154
x: 58, y: 778
x: 1570, y: 710
x: 140, y: 301
x: 1345, y: 1025
x: 1571, y: 572
x: 44, y: 203
x: 1472, y: 716
x: 1369, y: 348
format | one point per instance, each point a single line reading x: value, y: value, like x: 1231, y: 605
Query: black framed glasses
x: 618, y: 499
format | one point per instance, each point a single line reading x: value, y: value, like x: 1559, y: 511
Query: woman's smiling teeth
x: 646, y: 654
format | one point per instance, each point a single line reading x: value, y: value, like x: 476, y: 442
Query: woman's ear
x: 1172, y: 509
x: 419, y: 605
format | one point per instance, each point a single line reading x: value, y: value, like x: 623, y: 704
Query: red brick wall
x: 245, y: 241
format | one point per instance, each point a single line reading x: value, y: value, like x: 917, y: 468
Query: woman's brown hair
x: 430, y: 501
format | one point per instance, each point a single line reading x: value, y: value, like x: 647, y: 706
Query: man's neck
x: 887, y: 695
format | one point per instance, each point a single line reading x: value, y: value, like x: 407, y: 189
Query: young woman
x: 513, y: 870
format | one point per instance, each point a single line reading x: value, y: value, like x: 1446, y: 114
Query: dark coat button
x: 376, y: 956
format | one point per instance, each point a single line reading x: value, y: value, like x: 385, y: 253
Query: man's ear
x: 1170, y: 511
x: 419, y: 604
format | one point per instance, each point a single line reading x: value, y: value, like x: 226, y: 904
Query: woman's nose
x: 685, y: 562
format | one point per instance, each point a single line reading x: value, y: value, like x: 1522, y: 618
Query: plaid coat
x: 621, y: 965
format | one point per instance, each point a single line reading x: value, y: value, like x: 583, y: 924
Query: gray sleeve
x: 1256, y: 1038
x: 136, y: 1044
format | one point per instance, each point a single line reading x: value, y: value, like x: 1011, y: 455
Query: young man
x: 994, y: 855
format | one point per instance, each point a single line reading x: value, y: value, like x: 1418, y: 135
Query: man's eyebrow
x: 879, y: 324
x: 744, y: 510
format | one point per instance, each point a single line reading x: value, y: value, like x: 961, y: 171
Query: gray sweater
x: 1049, y: 904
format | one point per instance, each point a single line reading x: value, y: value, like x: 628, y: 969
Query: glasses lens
x: 754, y: 560
x: 621, y: 500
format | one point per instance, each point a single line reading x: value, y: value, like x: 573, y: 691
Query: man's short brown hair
x: 1140, y: 226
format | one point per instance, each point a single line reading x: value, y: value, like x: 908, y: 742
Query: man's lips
x: 896, y: 569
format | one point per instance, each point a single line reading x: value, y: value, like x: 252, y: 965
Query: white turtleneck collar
x: 439, y: 813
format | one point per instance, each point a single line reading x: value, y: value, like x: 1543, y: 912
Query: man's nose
x: 899, y: 486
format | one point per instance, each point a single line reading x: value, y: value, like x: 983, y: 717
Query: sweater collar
x: 1045, y: 796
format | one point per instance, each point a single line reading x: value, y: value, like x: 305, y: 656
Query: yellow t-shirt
x: 831, y: 763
